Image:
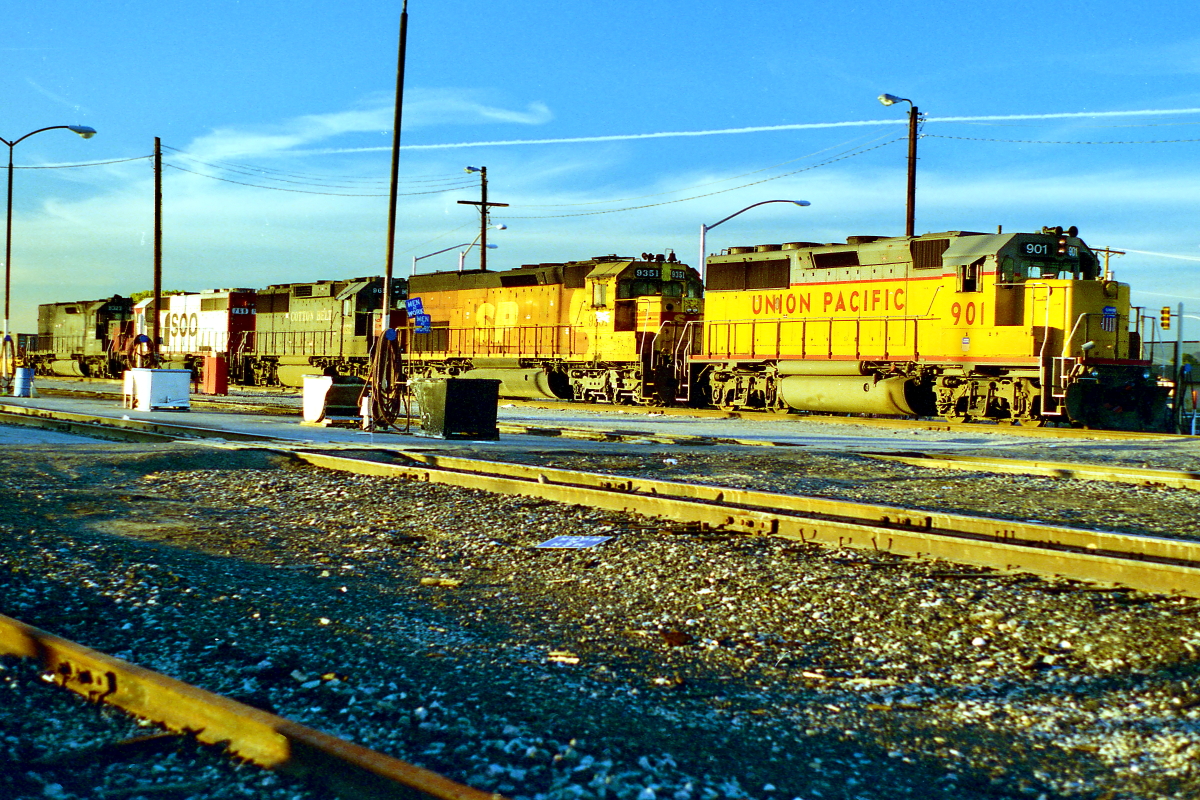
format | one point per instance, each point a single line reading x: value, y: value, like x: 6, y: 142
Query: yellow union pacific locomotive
x: 607, y: 329
x: 1021, y: 327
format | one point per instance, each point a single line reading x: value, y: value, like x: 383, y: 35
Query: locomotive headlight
x: 1145, y: 374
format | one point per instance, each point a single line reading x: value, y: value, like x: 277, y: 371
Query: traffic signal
x: 1165, y: 318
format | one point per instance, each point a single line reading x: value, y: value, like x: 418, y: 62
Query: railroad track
x: 245, y: 732
x: 1159, y: 565
x: 1046, y: 432
x: 1153, y: 564
x: 144, y: 430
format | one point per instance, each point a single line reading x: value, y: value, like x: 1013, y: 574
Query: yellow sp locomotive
x: 1021, y: 327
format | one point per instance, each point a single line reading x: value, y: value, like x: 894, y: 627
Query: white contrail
x: 623, y: 137
x: 1161, y: 255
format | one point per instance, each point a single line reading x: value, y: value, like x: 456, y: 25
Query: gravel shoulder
x: 421, y: 621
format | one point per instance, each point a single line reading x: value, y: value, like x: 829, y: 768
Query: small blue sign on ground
x: 573, y: 542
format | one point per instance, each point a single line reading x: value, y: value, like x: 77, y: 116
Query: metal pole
x: 391, y: 231
x: 909, y: 221
x: 1179, y: 370
x: 483, y: 219
x: 155, y: 329
x: 8, y: 239
x: 702, y: 265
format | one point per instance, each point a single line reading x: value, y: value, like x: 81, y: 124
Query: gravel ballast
x: 421, y: 621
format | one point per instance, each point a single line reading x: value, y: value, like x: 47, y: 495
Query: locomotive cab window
x: 599, y: 294
x: 968, y: 276
x: 638, y: 287
x: 1013, y: 271
x: 1042, y: 271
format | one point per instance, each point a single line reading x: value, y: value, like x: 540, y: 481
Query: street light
x: 8, y: 356
x: 500, y: 226
x: 445, y: 250
x: 913, y: 117
x: 704, y: 229
x: 462, y: 255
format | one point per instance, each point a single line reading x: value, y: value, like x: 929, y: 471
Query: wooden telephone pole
x: 484, y: 205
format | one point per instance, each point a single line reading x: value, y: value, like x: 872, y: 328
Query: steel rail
x: 887, y: 518
x: 81, y: 428
x: 270, y: 741
x: 1139, y: 476
x: 147, y: 430
x: 997, y: 428
x: 1148, y: 563
x: 96, y: 422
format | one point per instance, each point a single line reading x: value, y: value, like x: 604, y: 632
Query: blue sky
x: 298, y: 96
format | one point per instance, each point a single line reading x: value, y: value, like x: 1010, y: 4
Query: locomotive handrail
x: 1066, y: 348
x: 720, y: 338
x: 1046, y: 378
x: 933, y: 299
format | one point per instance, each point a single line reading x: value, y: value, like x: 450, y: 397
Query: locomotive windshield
x: 649, y: 287
x: 1038, y: 260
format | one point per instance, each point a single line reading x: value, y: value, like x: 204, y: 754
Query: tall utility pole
x: 910, y: 220
x: 914, y: 118
x: 484, y: 205
x: 391, y: 231
x: 155, y: 331
x: 1178, y: 409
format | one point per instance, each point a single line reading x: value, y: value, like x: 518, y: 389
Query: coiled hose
x: 8, y: 362
x: 385, y: 386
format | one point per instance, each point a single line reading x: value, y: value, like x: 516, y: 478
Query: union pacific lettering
x: 854, y: 300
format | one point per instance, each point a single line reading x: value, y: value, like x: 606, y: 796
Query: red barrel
x: 215, y: 376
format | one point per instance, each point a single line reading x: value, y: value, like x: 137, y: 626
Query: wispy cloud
x: 372, y: 115
x: 57, y: 98
x: 625, y: 137
x: 1161, y: 58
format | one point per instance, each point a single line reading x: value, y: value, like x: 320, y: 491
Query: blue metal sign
x: 422, y: 322
x: 573, y: 542
x: 414, y: 306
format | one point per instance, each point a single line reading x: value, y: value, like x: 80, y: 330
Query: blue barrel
x: 23, y: 382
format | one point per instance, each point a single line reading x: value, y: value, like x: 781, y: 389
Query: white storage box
x: 148, y: 389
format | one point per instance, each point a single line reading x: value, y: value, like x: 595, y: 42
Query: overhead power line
x: 86, y: 163
x: 828, y: 161
x: 1049, y: 141
x: 301, y: 191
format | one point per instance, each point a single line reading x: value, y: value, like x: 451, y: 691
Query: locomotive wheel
x: 1030, y: 422
x: 779, y: 409
x: 957, y: 420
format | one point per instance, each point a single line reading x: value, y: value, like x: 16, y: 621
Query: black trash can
x: 458, y: 408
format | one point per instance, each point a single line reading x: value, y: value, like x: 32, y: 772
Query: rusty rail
x: 273, y: 742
